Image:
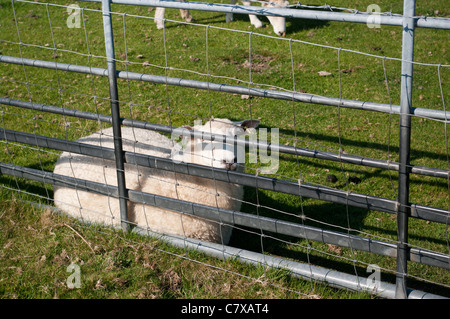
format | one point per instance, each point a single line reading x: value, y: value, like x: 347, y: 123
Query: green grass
x: 27, y: 234
x: 114, y: 265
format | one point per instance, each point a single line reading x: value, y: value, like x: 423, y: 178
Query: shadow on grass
x: 335, y: 139
x: 292, y: 25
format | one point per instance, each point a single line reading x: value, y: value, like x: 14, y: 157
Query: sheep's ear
x: 246, y: 124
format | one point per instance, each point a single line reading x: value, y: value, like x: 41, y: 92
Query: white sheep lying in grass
x: 105, y: 210
x: 278, y: 23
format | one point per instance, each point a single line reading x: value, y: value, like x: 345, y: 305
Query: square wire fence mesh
x: 320, y: 172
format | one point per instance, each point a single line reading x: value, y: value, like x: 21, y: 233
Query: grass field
x: 36, y: 245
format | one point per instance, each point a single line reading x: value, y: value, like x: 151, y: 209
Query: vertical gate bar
x: 115, y: 113
x: 405, y: 147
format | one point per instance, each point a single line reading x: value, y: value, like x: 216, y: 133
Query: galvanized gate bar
x: 311, y: 153
x: 396, y: 20
x: 405, y: 147
x: 313, y: 191
x: 277, y: 226
x: 300, y: 270
x: 115, y: 112
x: 235, y: 89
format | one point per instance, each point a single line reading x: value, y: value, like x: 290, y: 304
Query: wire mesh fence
x: 325, y: 182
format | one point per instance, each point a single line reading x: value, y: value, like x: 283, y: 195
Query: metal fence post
x: 115, y: 112
x: 405, y: 146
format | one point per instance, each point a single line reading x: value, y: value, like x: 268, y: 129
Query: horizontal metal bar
x: 84, y: 115
x: 296, y: 269
x: 58, y: 180
x: 300, y: 270
x: 336, y: 157
x: 396, y: 20
x: 268, y: 224
x: 226, y: 88
x: 57, y: 144
x: 317, y: 192
x: 262, y: 182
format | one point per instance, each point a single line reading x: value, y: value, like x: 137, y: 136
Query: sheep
x: 96, y: 208
x: 278, y: 23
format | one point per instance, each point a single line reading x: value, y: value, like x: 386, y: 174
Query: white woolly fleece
x: 105, y: 209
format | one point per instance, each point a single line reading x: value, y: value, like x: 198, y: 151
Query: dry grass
x: 37, y: 246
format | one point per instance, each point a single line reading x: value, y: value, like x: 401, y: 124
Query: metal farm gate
x: 402, y: 208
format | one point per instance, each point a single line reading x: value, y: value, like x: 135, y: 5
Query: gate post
x: 115, y: 113
x: 404, y: 209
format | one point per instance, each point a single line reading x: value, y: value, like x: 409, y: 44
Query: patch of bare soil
x: 258, y: 63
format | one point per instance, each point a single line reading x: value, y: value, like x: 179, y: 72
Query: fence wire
x: 170, y: 110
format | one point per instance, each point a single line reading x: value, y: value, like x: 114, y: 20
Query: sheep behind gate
x: 103, y: 209
x: 278, y: 23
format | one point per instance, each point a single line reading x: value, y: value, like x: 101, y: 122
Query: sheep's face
x: 213, y: 153
x: 216, y: 154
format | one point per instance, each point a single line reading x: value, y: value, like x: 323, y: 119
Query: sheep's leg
x: 159, y: 17
x: 229, y: 16
x: 253, y: 19
x: 160, y: 12
x: 186, y: 15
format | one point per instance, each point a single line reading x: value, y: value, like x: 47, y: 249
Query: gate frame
x: 408, y: 22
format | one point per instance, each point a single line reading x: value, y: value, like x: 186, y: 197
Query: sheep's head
x: 194, y: 149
